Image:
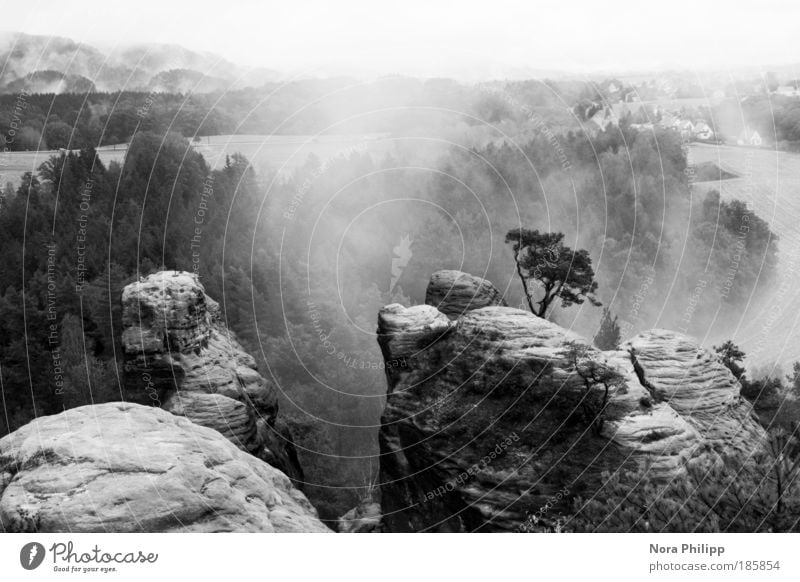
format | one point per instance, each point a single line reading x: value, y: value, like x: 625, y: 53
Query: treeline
x: 70, y: 248
x: 776, y: 118
x: 301, y: 266
x: 77, y: 121
x: 397, y: 105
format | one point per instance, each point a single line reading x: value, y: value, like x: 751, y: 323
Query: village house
x: 703, y: 131
x: 749, y: 137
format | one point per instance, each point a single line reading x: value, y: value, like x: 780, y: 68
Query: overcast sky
x: 428, y: 37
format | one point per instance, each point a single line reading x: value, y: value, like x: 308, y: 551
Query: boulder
x: 123, y: 467
x: 455, y: 292
x: 180, y: 355
x: 498, y: 418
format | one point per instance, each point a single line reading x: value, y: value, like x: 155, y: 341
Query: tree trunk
x: 524, y: 284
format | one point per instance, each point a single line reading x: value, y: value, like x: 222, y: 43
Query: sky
x: 436, y: 37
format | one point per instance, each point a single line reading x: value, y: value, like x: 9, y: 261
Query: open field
x: 768, y: 330
x: 14, y: 164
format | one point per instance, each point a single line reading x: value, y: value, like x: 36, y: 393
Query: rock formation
x: 498, y: 414
x: 454, y: 293
x: 180, y: 356
x: 122, y: 467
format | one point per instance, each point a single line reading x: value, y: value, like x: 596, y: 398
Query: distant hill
x: 51, y: 82
x: 50, y: 64
x: 186, y: 81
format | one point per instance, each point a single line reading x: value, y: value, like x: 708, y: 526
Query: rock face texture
x: 122, y: 467
x: 364, y: 518
x: 499, y: 415
x: 454, y: 293
x: 180, y: 356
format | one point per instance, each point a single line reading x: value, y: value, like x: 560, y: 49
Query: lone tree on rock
x: 563, y: 273
x: 732, y: 358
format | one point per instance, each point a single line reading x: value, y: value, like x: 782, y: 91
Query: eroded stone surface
x: 495, y: 415
x: 123, y: 467
x: 179, y: 355
x: 454, y: 293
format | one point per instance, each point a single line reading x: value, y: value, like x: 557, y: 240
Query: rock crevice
x: 123, y: 467
x: 180, y: 356
x: 491, y: 419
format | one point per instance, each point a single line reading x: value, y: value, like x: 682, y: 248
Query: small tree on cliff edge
x: 732, y: 358
x: 563, y: 273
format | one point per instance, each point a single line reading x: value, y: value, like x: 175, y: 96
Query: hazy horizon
x: 444, y: 38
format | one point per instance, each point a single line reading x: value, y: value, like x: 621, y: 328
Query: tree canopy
x: 562, y: 273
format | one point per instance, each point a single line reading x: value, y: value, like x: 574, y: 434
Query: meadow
x: 768, y: 329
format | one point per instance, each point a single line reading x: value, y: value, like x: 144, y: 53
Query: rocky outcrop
x: 364, y: 518
x: 180, y: 356
x: 454, y: 293
x: 122, y: 467
x: 498, y: 417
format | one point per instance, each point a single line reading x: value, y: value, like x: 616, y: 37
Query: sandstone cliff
x: 497, y: 415
x: 122, y: 467
x: 180, y: 356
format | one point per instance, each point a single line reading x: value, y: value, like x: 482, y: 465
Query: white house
x: 703, y: 131
x: 748, y: 137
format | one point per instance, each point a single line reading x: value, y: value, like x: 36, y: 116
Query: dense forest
x: 93, y: 119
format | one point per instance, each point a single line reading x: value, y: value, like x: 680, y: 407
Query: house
x: 686, y: 127
x: 703, y: 131
x: 748, y: 137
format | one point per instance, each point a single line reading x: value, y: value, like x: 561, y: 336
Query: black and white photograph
x: 422, y: 267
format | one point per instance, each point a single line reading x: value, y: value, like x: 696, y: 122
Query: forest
x: 78, y: 120
x: 299, y: 265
